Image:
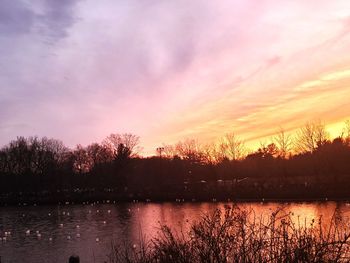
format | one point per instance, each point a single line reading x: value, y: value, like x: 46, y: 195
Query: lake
x: 53, y: 233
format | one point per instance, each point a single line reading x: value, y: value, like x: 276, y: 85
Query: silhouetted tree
x: 130, y: 141
x: 283, y: 142
x: 47, y: 154
x: 99, y: 153
x: 346, y: 132
x: 189, y: 150
x: 32, y: 156
x: 169, y: 151
x: 209, y: 153
x: 82, y: 160
x: 311, y: 136
x: 232, y: 147
x: 123, y: 152
x: 35, y: 165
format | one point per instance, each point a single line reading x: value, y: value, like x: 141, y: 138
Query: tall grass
x: 235, y: 235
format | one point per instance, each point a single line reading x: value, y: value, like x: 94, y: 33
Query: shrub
x: 235, y: 235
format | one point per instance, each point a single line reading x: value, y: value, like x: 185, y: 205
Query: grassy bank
x: 234, y: 235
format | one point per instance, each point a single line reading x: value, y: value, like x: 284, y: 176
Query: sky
x: 78, y: 70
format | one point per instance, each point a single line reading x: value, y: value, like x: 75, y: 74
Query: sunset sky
x: 169, y: 70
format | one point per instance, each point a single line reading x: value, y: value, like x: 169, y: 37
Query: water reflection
x: 52, y: 234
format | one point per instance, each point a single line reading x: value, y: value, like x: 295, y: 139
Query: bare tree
x: 208, y: 153
x: 189, y: 149
x: 82, y: 160
x: 99, y: 153
x: 128, y: 140
x: 33, y: 155
x: 231, y: 147
x: 131, y: 142
x: 19, y: 156
x: 310, y: 137
x: 284, y: 143
x: 46, y: 153
x: 346, y: 132
x: 169, y: 151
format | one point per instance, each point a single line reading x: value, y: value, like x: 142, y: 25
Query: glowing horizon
x: 166, y: 71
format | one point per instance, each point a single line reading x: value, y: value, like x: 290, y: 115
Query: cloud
x: 15, y: 18
x: 57, y: 18
x: 78, y: 70
x: 48, y: 17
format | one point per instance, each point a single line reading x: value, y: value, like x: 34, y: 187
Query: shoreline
x: 176, y: 201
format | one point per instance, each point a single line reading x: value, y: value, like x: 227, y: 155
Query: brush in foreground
x: 235, y: 235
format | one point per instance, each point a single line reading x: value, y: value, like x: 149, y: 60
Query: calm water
x: 52, y: 233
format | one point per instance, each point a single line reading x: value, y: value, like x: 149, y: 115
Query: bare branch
x: 284, y: 143
x: 311, y: 136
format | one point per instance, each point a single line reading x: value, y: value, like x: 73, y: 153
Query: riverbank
x: 195, y: 192
x: 237, y: 194
x: 83, y: 201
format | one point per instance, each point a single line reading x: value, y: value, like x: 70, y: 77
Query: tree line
x: 307, y: 158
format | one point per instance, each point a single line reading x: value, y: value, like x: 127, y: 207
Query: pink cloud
x: 169, y: 70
